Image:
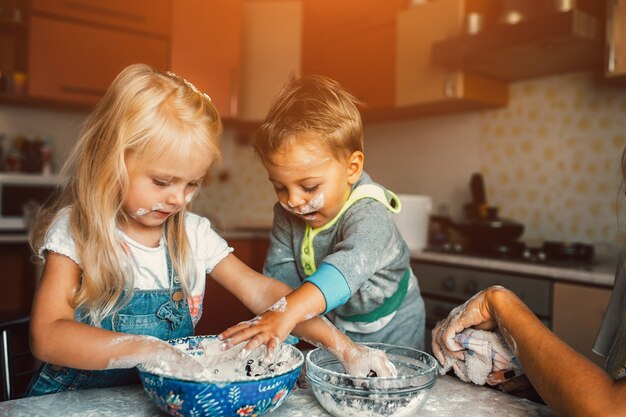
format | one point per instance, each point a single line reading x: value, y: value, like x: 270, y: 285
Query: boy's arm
x: 291, y: 312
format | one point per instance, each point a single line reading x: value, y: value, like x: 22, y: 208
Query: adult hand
x: 475, y: 312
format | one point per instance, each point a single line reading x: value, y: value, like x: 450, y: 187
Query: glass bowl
x: 343, y: 395
x: 223, y: 396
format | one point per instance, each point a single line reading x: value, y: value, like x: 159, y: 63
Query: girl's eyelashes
x: 160, y: 182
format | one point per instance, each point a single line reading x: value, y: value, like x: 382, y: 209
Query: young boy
x: 333, y: 225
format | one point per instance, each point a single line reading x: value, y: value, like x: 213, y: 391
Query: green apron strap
x: 376, y: 192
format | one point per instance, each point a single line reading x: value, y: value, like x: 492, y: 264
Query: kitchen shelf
x: 549, y: 44
x: 24, y: 100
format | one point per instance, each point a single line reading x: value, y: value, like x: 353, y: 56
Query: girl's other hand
x: 157, y: 356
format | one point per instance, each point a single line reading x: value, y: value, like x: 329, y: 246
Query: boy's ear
x: 355, y: 166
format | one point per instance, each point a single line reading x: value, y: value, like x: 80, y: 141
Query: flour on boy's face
x: 309, y: 180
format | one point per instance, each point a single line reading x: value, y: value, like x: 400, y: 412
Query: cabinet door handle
x: 234, y: 93
x: 610, y: 36
x: 449, y: 87
x: 104, y: 11
x: 82, y: 90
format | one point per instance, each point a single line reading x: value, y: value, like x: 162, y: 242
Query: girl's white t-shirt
x: 149, y: 265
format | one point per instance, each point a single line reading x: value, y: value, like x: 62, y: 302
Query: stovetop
x: 548, y: 253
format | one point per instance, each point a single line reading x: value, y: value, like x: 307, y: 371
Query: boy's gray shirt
x: 364, y: 245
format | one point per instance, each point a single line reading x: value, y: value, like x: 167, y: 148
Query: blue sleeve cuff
x: 332, y: 284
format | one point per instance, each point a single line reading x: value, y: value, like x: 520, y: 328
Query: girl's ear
x: 355, y: 166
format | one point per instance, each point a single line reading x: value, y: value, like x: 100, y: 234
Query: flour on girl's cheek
x: 159, y: 206
x: 143, y: 211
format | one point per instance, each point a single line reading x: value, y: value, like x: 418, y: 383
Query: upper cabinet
x: 353, y: 42
x: 151, y: 17
x: 206, y: 48
x: 240, y: 52
x: 272, y: 33
x: 400, y: 58
x: 539, y: 39
x: 616, y: 40
x: 75, y: 49
x: 423, y: 86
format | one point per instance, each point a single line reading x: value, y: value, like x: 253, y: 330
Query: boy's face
x: 310, y: 181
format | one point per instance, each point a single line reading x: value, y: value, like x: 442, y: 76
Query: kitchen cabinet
x: 73, y: 62
x: 425, y: 86
x: 76, y: 49
x: 616, y: 40
x: 12, y: 42
x: 221, y: 309
x: 353, y: 42
x: 148, y: 17
x: 540, y: 45
x: 240, y: 52
x: 271, y: 47
x: 206, y: 48
x: 577, y: 312
x: 19, y: 276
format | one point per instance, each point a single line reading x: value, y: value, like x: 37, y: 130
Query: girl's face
x: 160, y: 189
x: 311, y: 182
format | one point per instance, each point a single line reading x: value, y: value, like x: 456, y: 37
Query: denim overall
x: 160, y: 313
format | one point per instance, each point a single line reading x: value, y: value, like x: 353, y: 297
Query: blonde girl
x: 122, y: 253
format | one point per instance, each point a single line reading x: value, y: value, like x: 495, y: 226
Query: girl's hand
x: 363, y: 361
x: 158, y: 356
x: 475, y: 312
x: 270, y: 328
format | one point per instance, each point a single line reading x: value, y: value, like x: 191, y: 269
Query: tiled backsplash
x: 550, y: 159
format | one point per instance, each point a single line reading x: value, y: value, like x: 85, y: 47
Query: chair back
x: 17, y: 364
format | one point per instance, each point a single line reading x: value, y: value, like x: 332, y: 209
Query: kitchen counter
x: 600, y: 274
x: 449, y: 398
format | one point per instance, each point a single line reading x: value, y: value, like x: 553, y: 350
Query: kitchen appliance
x: 445, y: 286
x: 482, y: 227
x: 20, y: 197
x: 412, y: 221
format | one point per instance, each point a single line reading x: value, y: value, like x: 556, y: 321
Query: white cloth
x: 150, y: 265
x: 485, y: 352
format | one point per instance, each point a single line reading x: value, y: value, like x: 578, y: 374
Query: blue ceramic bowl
x: 237, y: 398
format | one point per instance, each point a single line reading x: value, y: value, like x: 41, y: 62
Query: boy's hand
x: 270, y: 328
x: 363, y: 361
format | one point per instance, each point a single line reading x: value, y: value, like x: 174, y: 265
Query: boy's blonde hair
x: 144, y: 114
x: 318, y: 107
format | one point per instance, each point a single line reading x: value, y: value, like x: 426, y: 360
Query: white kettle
x: 412, y: 221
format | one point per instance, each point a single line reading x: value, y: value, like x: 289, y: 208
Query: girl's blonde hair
x: 146, y: 114
x: 320, y: 108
